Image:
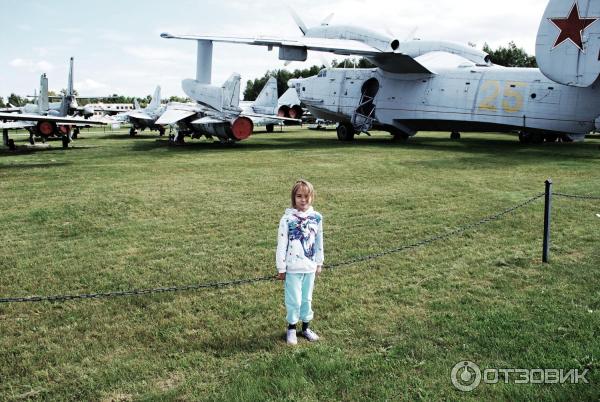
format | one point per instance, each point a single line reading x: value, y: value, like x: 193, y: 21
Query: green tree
x: 510, y: 56
x: 2, y: 102
x: 253, y: 87
x: 16, y: 100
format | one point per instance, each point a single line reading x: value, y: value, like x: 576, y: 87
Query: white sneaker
x: 310, y: 335
x: 291, y: 337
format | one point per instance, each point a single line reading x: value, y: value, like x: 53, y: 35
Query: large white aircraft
x: 43, y: 120
x: 437, y: 85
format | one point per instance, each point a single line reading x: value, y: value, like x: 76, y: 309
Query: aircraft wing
x: 295, y: 49
x: 37, y: 117
x: 15, y: 125
x: 271, y: 117
x: 140, y: 116
x: 172, y: 116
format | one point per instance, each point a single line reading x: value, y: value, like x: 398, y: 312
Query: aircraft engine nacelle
x: 238, y: 129
x: 294, y: 112
x: 46, y: 128
x: 88, y: 112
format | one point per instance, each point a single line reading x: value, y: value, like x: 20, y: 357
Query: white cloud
x: 32, y: 66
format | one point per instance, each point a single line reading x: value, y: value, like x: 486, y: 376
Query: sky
x: 118, y: 49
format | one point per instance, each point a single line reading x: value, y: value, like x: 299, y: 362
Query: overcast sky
x: 117, y: 47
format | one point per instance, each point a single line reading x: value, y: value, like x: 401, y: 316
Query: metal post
x: 547, y: 212
x: 5, y: 136
x: 204, y: 61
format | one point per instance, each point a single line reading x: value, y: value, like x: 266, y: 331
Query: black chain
x: 578, y: 197
x: 458, y: 231
x: 455, y: 232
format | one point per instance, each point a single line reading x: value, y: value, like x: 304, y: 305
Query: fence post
x: 547, y: 212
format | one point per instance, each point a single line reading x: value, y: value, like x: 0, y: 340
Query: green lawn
x: 118, y: 213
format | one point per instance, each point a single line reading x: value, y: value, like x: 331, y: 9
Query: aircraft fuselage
x: 468, y: 99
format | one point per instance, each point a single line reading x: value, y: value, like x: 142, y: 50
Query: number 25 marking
x: 512, y: 100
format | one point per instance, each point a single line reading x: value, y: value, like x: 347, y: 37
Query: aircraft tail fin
x: 70, y: 91
x: 42, y: 99
x: 568, y: 42
x: 155, y: 103
x: 268, y: 96
x: 226, y: 97
x: 231, y: 92
x: 136, y: 104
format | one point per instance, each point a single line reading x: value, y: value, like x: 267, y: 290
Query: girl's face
x: 302, y: 199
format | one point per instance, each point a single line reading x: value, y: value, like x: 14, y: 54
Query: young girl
x: 299, y: 258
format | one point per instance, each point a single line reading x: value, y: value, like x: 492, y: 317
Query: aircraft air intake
x: 395, y: 44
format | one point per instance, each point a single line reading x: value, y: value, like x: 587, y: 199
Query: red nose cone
x: 242, y: 128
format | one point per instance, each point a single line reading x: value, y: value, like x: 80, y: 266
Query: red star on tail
x: 572, y: 27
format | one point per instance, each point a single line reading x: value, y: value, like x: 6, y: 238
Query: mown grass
x: 115, y: 213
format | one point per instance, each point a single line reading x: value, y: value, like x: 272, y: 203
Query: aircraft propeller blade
x: 298, y: 21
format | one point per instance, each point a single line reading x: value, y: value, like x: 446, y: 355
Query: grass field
x: 119, y: 213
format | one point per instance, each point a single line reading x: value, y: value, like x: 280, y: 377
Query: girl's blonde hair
x: 302, y: 184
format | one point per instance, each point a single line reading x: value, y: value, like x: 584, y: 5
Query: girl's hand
x: 319, y: 269
x: 281, y: 276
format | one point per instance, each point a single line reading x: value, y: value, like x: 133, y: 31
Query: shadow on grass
x: 34, y: 165
x: 479, y: 145
x: 34, y: 149
x: 126, y: 136
x: 242, y: 342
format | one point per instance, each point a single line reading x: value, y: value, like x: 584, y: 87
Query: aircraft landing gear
x: 399, y: 136
x: 75, y: 133
x: 161, y: 131
x: 270, y: 128
x: 132, y: 132
x: 345, y: 132
x: 11, y: 144
x: 65, y: 141
x: 455, y: 136
x: 31, y: 138
x: 531, y: 138
x: 177, y: 139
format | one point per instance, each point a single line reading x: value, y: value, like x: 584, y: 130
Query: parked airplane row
x: 416, y: 85
x: 438, y: 85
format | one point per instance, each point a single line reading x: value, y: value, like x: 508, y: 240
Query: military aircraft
x: 142, y: 119
x: 42, y: 121
x: 436, y: 85
x: 219, y: 113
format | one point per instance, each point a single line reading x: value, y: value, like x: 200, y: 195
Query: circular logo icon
x: 466, y: 376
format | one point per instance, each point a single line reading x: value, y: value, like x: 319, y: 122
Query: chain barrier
x: 577, y: 197
x: 213, y: 285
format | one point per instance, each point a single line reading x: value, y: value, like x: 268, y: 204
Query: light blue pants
x: 298, y: 297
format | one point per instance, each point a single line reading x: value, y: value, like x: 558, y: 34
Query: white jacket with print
x: 300, y: 241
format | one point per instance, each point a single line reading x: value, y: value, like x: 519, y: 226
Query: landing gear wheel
x: 132, y: 132
x: 399, y: 136
x: 31, y: 139
x: 161, y: 131
x: 11, y: 144
x: 524, y: 138
x: 270, y: 128
x: 345, y: 132
x: 551, y: 137
x: 75, y: 133
x: 455, y: 136
x: 537, y: 138
x: 65, y: 141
